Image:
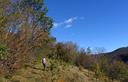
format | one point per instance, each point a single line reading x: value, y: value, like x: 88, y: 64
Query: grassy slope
x: 55, y: 72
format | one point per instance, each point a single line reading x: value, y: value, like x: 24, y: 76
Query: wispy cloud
x: 70, y: 20
x: 67, y: 23
x: 56, y: 24
x: 68, y: 26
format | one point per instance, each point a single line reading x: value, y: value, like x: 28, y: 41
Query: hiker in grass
x: 44, y: 63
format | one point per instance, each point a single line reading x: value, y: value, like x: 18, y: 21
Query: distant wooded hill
x: 120, y: 54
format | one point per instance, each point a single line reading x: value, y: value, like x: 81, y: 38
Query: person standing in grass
x: 44, y: 62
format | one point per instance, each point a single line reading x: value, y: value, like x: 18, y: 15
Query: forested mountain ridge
x: 120, y: 54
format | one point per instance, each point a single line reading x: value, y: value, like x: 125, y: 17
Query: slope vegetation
x: 55, y: 72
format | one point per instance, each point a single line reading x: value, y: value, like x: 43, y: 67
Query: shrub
x: 3, y: 51
x: 118, y: 71
x: 66, y: 51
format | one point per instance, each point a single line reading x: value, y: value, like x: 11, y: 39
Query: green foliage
x: 25, y: 12
x: 117, y: 70
x: 24, y: 29
x: 82, y: 60
x: 99, y: 74
x: 66, y: 51
x: 54, y: 65
x: 37, y: 13
x: 3, y: 51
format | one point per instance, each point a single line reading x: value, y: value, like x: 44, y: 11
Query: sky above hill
x: 94, y: 23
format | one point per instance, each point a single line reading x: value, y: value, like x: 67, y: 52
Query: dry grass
x: 61, y: 72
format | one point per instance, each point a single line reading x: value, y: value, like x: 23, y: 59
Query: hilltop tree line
x: 25, y: 38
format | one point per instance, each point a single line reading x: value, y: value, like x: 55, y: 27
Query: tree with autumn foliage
x: 24, y: 30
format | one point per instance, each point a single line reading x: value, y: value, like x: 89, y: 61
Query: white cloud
x: 68, y: 26
x: 71, y: 20
x: 59, y: 24
x: 56, y: 24
x: 68, y: 23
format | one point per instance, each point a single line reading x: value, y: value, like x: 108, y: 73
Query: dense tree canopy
x: 24, y: 31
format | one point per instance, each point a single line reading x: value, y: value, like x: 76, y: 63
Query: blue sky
x: 94, y: 23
